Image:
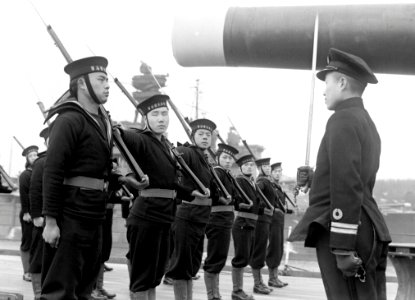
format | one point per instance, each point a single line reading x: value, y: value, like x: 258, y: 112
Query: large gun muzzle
x: 282, y: 37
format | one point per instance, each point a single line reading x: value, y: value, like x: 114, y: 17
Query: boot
x: 96, y: 295
x: 180, y: 289
x: 25, y: 256
x: 139, y: 295
x: 37, y: 285
x: 209, y: 282
x: 238, y: 282
x: 100, y: 284
x: 152, y: 294
x: 274, y: 280
x: 190, y: 290
x: 216, y: 293
x: 259, y: 287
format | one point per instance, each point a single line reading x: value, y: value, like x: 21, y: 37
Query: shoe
x: 264, y: 286
x: 241, y: 295
x: 277, y: 283
x: 196, y: 277
x: 167, y: 280
x: 96, y: 295
x: 261, y: 289
x: 27, y: 277
x: 107, y: 294
x: 107, y: 268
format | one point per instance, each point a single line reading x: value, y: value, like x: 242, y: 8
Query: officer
x: 30, y: 153
x: 218, y: 230
x: 193, y: 214
x: 150, y: 218
x: 243, y: 229
x: 36, y: 203
x: 74, y: 183
x: 343, y: 221
x: 275, y: 248
x: 262, y: 226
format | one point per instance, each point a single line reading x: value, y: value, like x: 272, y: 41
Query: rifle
x: 264, y: 198
x: 243, y: 141
x: 20, y: 144
x: 239, y: 189
x: 43, y: 110
x: 186, y: 168
x: 7, y: 178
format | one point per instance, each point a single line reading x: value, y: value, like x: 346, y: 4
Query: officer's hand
x: 278, y: 211
x: 51, y: 232
x: 198, y: 194
x: 244, y: 206
x: 27, y: 217
x: 348, y: 262
x: 38, y: 222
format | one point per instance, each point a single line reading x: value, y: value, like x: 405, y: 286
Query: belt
x: 268, y: 212
x: 200, y: 201
x: 246, y: 215
x: 220, y: 208
x: 158, y: 193
x: 86, y: 182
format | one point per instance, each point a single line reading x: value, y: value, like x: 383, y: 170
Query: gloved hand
x: 289, y: 211
x: 347, y: 262
x: 244, y: 206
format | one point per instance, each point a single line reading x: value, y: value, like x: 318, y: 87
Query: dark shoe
x: 107, y: 294
x: 27, y: 277
x: 241, y: 295
x: 96, y: 295
x: 107, y: 268
x: 167, y: 281
x: 264, y: 286
x: 261, y: 289
x: 277, y: 283
x: 196, y: 277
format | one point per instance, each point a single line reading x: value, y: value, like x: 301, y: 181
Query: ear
x: 81, y: 83
x: 342, y: 82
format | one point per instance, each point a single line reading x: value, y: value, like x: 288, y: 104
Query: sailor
x: 257, y: 261
x: 74, y: 183
x: 153, y: 211
x: 193, y: 214
x: 218, y: 230
x: 275, y: 247
x: 243, y: 229
x: 30, y: 153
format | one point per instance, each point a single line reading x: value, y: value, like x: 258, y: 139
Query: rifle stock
x: 240, y: 190
x: 264, y: 198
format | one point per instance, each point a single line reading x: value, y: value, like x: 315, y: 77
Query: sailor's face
x: 31, y: 157
x: 203, y: 138
x: 276, y: 173
x: 248, y: 168
x: 266, y: 169
x: 158, y: 120
x: 100, y: 85
x: 226, y: 161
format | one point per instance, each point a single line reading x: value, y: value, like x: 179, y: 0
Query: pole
x: 20, y: 144
x: 313, y: 79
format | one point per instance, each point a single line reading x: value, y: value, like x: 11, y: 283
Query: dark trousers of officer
x: 107, y: 235
x: 260, y: 245
x: 27, y: 229
x: 374, y: 256
x: 219, y: 239
x: 188, y: 249
x: 275, y: 248
x: 36, y: 250
x: 70, y: 271
x: 149, y: 250
x: 243, y: 241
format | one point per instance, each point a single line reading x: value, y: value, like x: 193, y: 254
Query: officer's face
x: 276, y: 173
x: 266, y: 169
x: 158, y: 120
x: 99, y: 83
x: 248, y: 168
x: 203, y: 138
x: 332, y: 92
x: 226, y: 161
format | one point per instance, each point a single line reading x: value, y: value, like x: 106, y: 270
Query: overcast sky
x: 268, y: 106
